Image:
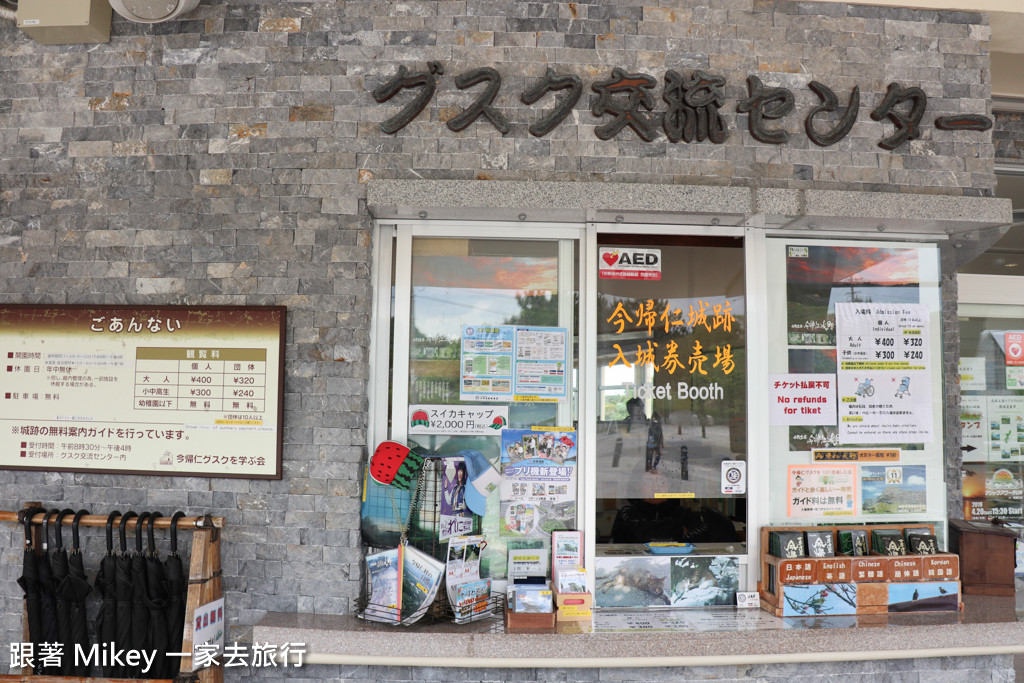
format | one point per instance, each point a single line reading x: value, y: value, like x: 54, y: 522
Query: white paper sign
x: 734, y: 476
x: 802, y: 399
x: 972, y: 373
x: 209, y: 625
x: 884, y: 378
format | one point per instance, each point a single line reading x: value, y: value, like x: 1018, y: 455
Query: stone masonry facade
x: 223, y: 159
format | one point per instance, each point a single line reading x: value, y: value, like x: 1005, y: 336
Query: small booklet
x: 470, y: 600
x: 421, y: 577
x: 384, y: 571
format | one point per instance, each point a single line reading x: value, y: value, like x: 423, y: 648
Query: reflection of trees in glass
x: 536, y: 308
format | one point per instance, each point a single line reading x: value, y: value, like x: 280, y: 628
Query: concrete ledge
x: 349, y: 640
x: 684, y: 205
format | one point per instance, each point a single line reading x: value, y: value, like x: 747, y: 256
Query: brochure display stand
x: 204, y: 586
x: 871, y: 583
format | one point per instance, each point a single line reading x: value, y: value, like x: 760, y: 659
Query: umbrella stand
x: 204, y: 580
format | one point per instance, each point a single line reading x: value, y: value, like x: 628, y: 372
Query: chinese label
x: 208, y: 632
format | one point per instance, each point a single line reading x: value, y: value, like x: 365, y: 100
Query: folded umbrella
x: 123, y: 596
x: 106, y: 620
x: 177, y: 588
x: 29, y: 582
x: 140, y: 612
x: 62, y: 608
x: 156, y: 601
x: 75, y: 589
x: 47, y: 599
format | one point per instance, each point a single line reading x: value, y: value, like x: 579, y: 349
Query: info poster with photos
x: 505, y: 363
x: 893, y: 489
x: 822, y: 490
x: 868, y: 311
x: 178, y: 390
x: 538, y: 482
x: 993, y: 490
x: 885, y: 375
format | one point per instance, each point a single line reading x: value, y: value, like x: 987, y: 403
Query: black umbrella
x: 59, y: 569
x: 177, y: 587
x: 123, y: 595
x: 74, y: 589
x: 29, y: 582
x: 106, y: 620
x: 156, y: 601
x: 47, y: 599
x: 140, y: 612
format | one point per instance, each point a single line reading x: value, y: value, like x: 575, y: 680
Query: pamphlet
x: 464, y: 559
x: 571, y: 579
x: 384, y: 570
x: 421, y: 577
x: 533, y: 598
x: 471, y: 600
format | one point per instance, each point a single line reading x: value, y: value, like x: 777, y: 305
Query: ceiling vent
x: 153, y: 11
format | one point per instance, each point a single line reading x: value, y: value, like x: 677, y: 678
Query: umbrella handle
x: 74, y: 530
x: 110, y: 530
x: 124, y: 520
x: 138, y: 531
x: 26, y: 519
x: 58, y: 541
x: 174, y: 531
x: 152, y: 541
x: 46, y: 524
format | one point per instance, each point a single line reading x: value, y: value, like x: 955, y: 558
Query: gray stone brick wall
x: 222, y: 159
x: 1008, y: 136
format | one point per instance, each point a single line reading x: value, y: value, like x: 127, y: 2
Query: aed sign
x: 629, y: 263
x: 1015, y: 348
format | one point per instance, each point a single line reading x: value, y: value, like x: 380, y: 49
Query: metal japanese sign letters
x: 626, y: 100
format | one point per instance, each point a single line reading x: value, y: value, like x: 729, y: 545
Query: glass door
x: 671, y: 375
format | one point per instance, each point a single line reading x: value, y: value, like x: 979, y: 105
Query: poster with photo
x: 893, y: 489
x: 632, y: 581
x: 538, y: 483
x: 456, y: 517
x: 704, y: 580
x: 993, y: 490
x: 884, y: 376
x: 542, y: 355
x: 486, y: 363
x: 819, y: 277
x: 1005, y: 428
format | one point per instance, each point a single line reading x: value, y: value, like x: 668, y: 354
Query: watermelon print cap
x: 420, y: 419
x: 498, y: 422
x: 394, y: 464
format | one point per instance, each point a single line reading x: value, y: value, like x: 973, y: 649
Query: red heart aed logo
x: 611, y: 257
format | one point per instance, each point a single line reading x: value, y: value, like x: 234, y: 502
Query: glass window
x: 856, y: 399
x: 463, y: 289
x: 992, y: 410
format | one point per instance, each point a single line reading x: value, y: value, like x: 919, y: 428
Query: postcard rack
x: 204, y: 586
x: 872, y: 576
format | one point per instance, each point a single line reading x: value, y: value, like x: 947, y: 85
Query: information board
x: 179, y: 390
